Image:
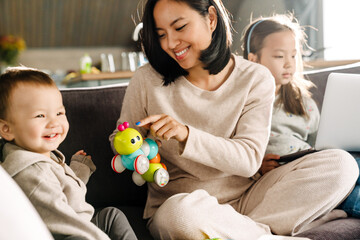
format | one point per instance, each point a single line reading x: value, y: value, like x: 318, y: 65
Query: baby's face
x: 36, y: 118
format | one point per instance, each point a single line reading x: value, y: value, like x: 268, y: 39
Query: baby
x: 33, y: 124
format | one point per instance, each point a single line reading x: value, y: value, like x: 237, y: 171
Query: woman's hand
x: 164, y: 127
x: 269, y: 163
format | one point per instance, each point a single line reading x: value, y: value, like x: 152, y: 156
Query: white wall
x: 55, y: 59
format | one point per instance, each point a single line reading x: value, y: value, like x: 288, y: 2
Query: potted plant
x: 10, y: 47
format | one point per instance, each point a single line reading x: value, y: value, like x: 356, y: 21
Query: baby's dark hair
x: 291, y: 94
x: 19, y: 75
x: 215, y: 57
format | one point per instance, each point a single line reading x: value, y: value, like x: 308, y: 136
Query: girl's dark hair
x: 291, y: 94
x: 215, y: 57
x: 19, y: 75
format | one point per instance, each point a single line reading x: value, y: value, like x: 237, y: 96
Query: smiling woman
x: 179, y: 36
x: 197, y: 98
x: 175, y: 40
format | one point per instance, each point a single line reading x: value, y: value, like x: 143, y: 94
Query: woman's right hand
x: 269, y: 163
x: 164, y: 127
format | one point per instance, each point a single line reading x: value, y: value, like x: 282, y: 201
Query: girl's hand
x: 269, y: 163
x: 164, y: 127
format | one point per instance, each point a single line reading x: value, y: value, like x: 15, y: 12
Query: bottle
x: 85, y: 64
x: 111, y: 62
x: 104, y: 63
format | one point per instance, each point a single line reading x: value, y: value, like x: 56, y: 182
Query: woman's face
x: 183, y: 33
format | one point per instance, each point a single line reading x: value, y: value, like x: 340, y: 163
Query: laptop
x: 339, y: 125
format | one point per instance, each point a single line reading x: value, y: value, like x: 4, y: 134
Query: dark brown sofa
x: 92, y: 113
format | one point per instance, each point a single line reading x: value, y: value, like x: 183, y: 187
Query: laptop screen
x: 339, y: 125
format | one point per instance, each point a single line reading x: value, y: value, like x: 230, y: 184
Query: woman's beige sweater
x: 228, y: 130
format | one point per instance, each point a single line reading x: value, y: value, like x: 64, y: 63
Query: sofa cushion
x: 340, y: 229
x: 92, y: 114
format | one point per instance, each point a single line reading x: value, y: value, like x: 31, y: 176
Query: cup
x: 107, y: 62
x: 132, y: 61
x: 125, y: 62
x: 111, y: 62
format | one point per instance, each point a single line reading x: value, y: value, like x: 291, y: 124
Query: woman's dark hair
x: 291, y: 94
x: 215, y: 57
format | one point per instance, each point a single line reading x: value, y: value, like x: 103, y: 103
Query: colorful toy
x: 138, y: 155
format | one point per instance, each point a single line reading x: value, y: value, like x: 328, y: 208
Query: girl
x: 211, y: 109
x: 276, y: 42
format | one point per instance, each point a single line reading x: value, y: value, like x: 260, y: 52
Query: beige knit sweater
x: 228, y: 129
x: 56, y: 192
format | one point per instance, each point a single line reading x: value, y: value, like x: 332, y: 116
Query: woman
x: 211, y: 110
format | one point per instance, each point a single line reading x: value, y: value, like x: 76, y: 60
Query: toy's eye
x: 132, y: 141
x: 138, y: 138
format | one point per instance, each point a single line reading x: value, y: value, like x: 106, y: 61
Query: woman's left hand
x: 165, y: 127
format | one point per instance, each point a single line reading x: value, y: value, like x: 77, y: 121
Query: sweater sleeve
x: 82, y: 166
x: 241, y: 154
x: 54, y: 207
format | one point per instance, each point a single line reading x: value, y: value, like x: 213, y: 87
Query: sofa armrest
x: 340, y: 229
x: 19, y: 219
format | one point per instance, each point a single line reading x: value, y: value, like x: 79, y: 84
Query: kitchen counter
x: 98, y: 79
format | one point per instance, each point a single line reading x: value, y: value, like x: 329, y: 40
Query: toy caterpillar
x: 138, y: 155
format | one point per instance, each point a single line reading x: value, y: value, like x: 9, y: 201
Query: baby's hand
x: 80, y: 156
x: 269, y: 163
x: 81, y: 152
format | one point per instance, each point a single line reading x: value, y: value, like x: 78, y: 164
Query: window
x: 341, y: 30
